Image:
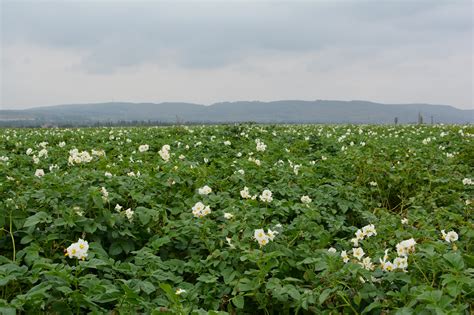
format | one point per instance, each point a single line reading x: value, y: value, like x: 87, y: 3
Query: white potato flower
x: 78, y: 249
x: 228, y: 215
x: 266, y: 196
x: 450, y: 237
x: 358, y: 253
x: 205, y: 190
x: 344, y: 256
x: 467, y: 181
x: 39, y: 173
x: 405, y: 247
x: 180, y: 291
x: 200, y: 210
x: 244, y: 193
x: 143, y: 148
x: 129, y: 214
x: 306, y: 199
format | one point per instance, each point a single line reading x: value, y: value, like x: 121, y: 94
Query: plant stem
x: 13, y: 239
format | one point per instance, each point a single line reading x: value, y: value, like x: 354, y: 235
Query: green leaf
x: 372, y: 306
x: 144, y: 214
x: 239, y: 301
x: 324, y: 295
x: 39, y: 217
x: 455, y: 260
x: 207, y: 278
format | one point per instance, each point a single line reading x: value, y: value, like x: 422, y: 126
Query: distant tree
x: 420, y: 118
x: 395, y: 120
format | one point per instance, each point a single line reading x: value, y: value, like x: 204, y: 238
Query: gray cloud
x: 214, y: 34
x: 107, y: 38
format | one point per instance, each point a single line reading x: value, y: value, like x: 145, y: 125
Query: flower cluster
x: 164, y: 153
x: 143, y: 148
x: 78, y: 249
x: 406, y: 247
x: 263, y: 238
x: 450, y: 237
x: 261, y: 147
x: 245, y: 193
x: 360, y: 234
x: 39, y: 173
x: 200, y: 210
x: 306, y: 199
x: 467, y: 181
x: 76, y: 157
x: 105, y: 194
x: 266, y: 196
x: 205, y: 190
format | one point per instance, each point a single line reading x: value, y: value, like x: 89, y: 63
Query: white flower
x: 358, y: 252
x: 467, y: 181
x: 369, y: 230
x: 405, y: 247
x: 261, y: 237
x: 228, y: 215
x: 206, y: 190
x: 344, y: 256
x: 227, y: 142
x: 29, y: 151
x: 78, y: 249
x: 400, y: 263
x: 53, y: 167
x: 35, y: 159
x: 359, y: 234
x: 323, y: 158
x: 404, y: 221
x: 373, y: 184
x: 180, y: 291
x: 261, y: 147
x: 241, y: 172
x: 39, y: 173
x: 143, y: 148
x: 118, y: 207
x: 355, y: 241
x: 105, y: 194
x: 332, y: 250
x: 245, y: 193
x: 182, y: 157
x: 108, y: 174
x: 387, y: 266
x: 450, y: 237
x: 229, y: 242
x: 271, y: 234
x: 62, y: 144
x: 367, y: 263
x: 200, y: 210
x: 306, y: 199
x: 129, y: 214
x: 164, y: 153
x: 78, y: 211
x: 266, y: 196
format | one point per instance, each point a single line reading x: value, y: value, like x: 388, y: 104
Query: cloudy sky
x: 97, y: 51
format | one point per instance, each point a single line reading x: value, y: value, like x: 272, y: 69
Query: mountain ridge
x: 281, y: 111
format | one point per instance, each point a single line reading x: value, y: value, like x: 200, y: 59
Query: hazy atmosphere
x: 99, y: 51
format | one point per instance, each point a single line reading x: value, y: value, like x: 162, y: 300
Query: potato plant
x: 237, y: 219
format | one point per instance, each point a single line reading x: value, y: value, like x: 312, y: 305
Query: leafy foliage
x: 151, y: 255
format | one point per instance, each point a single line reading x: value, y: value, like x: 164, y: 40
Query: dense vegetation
x: 237, y: 219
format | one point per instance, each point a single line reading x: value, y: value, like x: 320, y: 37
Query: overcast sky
x: 98, y: 51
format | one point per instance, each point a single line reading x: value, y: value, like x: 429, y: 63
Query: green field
x: 303, y: 219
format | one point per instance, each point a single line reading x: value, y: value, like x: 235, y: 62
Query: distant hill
x: 288, y: 111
